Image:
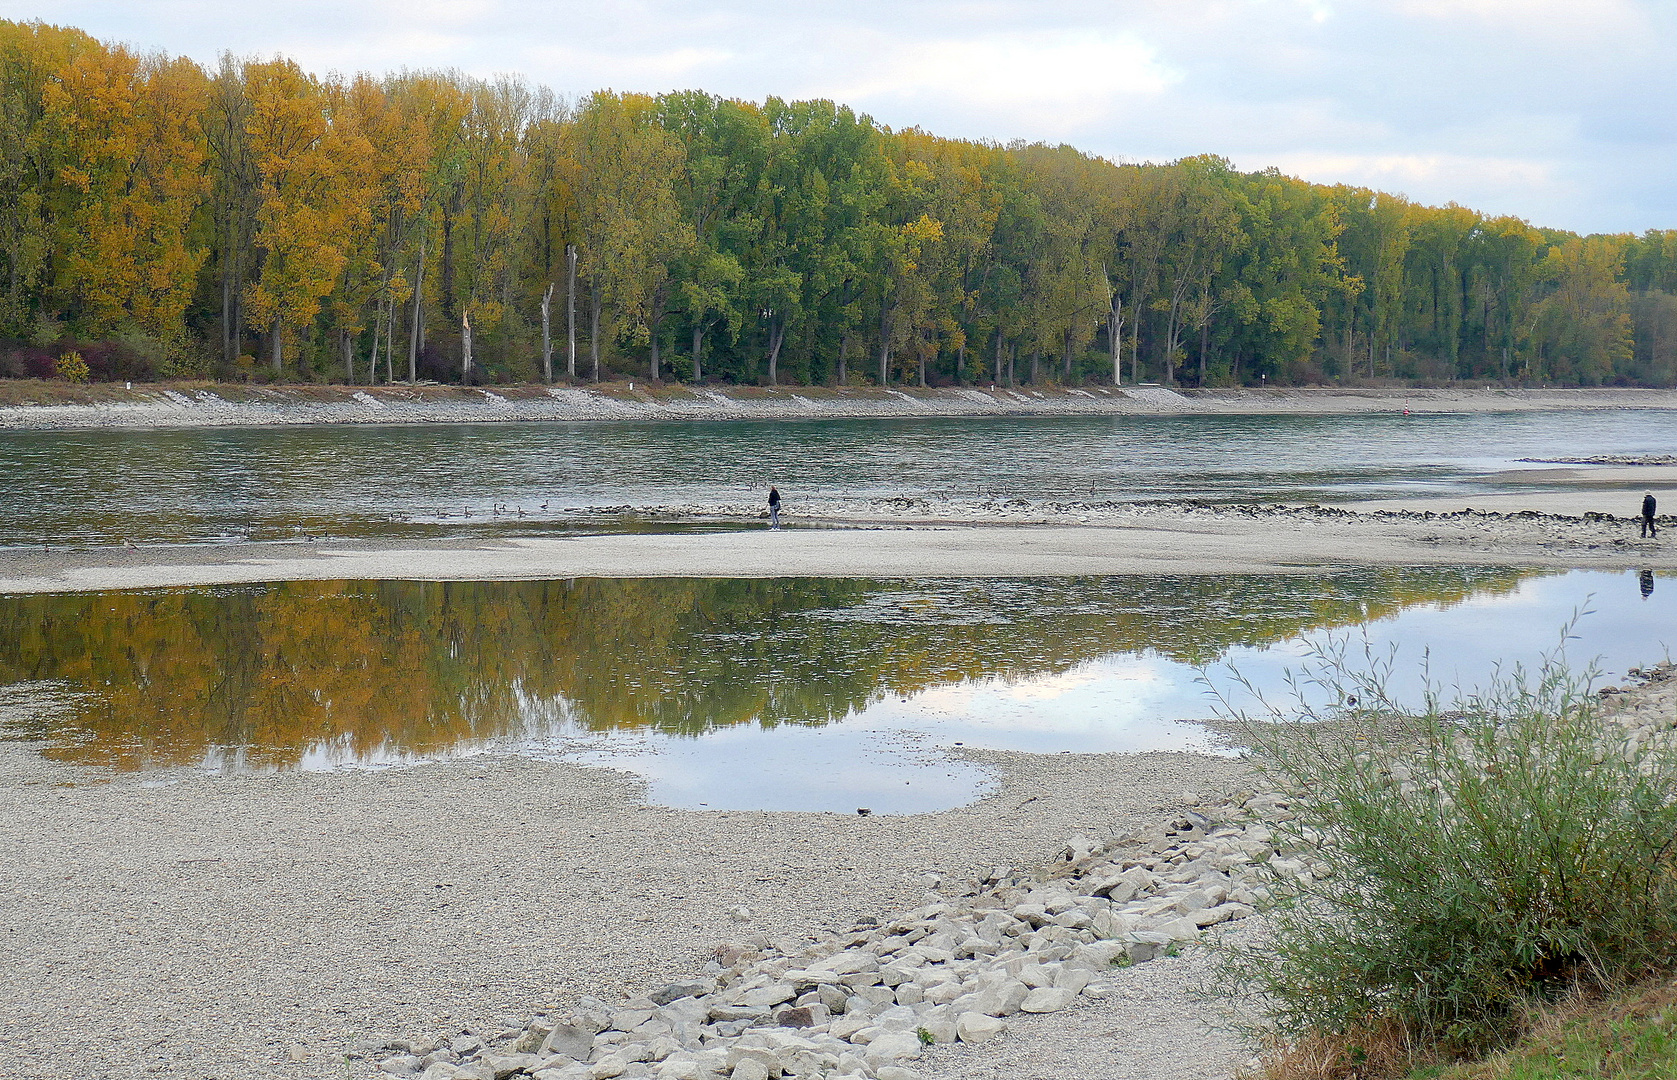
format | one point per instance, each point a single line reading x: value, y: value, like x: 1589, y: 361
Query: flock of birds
x: 495, y: 510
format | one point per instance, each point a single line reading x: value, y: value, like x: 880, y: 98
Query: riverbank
x: 182, y: 925
x: 1018, y: 542
x: 35, y: 405
x: 308, y: 925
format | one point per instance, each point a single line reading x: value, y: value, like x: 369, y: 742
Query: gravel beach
x: 44, y: 405
x: 178, y: 925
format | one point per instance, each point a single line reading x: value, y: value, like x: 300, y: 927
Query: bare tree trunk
x: 378, y: 329
x: 920, y: 354
x: 390, y: 342
x: 998, y: 354
x: 961, y: 363
x: 777, y: 334
x: 1036, y: 357
x: 1068, y: 354
x: 842, y: 374
x: 885, y: 344
x: 570, y: 309
x: 1205, y: 344
x: 349, y: 356
x: 465, y: 348
x: 1115, y: 339
x: 594, y: 302
x: 278, y: 338
x: 238, y: 327
x: 659, y: 298
x: 227, y: 355
x: 698, y: 350
x: 418, y: 299
x: 547, y: 334
x: 1012, y: 358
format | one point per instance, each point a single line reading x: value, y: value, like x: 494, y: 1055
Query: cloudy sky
x: 1559, y: 111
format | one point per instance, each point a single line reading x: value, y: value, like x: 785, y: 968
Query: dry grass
x: 1631, y: 1035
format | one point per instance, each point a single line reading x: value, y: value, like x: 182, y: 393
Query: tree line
x: 255, y: 221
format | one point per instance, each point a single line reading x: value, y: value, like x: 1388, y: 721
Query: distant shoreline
x: 60, y: 406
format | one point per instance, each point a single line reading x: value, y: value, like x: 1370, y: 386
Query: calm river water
x: 96, y: 487
x: 796, y: 694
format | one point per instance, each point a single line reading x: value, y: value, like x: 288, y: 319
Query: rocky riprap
x: 865, y: 1003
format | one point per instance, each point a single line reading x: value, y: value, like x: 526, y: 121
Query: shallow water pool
x: 787, y: 694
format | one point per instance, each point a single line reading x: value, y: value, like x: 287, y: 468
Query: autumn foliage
x: 257, y: 221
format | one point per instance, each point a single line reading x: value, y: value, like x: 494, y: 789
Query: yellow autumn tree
x: 311, y: 202
x: 132, y: 162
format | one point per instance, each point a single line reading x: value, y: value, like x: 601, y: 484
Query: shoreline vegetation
x: 45, y: 404
x: 255, y: 221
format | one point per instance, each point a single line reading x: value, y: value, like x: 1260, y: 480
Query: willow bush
x: 1469, y: 857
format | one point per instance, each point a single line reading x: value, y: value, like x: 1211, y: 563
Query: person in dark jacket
x: 1648, y: 515
x: 774, y: 508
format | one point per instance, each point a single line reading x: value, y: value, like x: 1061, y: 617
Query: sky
x: 1557, y: 111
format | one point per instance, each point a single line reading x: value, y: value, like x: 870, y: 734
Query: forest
x: 255, y: 222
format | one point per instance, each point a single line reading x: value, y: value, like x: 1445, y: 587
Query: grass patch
x: 1628, y: 1037
x: 1462, y: 866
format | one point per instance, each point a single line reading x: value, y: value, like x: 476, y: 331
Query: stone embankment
x: 868, y: 1002
x: 59, y: 405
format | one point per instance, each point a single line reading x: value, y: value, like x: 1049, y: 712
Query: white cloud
x: 1057, y: 82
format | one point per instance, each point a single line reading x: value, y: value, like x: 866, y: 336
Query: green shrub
x: 1468, y: 859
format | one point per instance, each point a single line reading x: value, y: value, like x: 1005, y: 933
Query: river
x: 93, y: 487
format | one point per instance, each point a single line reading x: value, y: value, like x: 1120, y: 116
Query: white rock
x: 1035, y: 975
x: 1221, y: 913
x: 749, y: 1069
x: 941, y: 1031
x: 1047, y: 999
x: 976, y: 1027
x: 767, y: 996
x: 1002, y: 999
x: 1073, y: 978
x: 1180, y: 929
x: 848, y: 962
x: 895, y: 1072
x: 893, y: 1046
x: 609, y: 1066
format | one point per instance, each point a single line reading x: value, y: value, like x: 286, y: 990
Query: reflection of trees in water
x: 364, y: 667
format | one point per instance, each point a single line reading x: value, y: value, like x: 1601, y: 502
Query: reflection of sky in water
x: 887, y: 757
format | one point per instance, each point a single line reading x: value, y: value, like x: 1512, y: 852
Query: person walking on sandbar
x: 774, y: 508
x: 1648, y: 529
